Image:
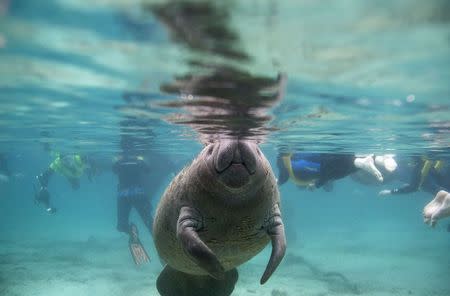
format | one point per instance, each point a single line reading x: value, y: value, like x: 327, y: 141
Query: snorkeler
x: 425, y: 174
x: 71, y: 166
x: 314, y: 170
x: 438, y: 208
x: 132, y: 172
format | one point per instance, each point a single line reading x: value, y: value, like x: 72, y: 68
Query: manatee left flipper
x: 172, y: 282
x: 189, y: 221
x: 275, y: 229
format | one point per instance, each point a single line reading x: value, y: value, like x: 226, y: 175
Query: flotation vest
x: 287, y: 161
x: 437, y: 165
x: 74, y: 169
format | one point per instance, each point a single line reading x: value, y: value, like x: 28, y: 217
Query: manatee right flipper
x: 172, y: 282
x: 275, y: 229
x: 189, y: 221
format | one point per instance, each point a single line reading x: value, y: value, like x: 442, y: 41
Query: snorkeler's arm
x: 44, y: 178
x: 413, y: 184
x: 407, y: 188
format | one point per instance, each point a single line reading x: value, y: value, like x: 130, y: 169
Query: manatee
x: 217, y: 213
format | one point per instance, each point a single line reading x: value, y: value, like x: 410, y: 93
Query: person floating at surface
x: 427, y: 175
x: 71, y: 166
x: 314, y: 170
x: 438, y: 208
x: 133, y: 173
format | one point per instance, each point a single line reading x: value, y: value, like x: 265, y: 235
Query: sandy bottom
x: 333, y: 263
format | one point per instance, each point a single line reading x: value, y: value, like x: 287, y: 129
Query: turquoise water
x: 328, y: 76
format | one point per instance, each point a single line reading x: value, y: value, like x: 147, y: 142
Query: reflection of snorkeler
x: 71, y: 166
x: 133, y: 172
x: 314, y: 170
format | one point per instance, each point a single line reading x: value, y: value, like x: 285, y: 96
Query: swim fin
x: 137, y: 250
x: 172, y: 282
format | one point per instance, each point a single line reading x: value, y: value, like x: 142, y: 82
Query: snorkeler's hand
x: 385, y: 192
x: 311, y: 186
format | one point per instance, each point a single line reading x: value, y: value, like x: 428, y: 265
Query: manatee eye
x: 258, y: 151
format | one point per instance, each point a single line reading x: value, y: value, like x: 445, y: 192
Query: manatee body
x: 216, y: 214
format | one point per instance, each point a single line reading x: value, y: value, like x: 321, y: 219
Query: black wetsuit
x: 319, y: 168
x: 133, y: 175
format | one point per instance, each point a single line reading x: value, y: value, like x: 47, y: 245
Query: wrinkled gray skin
x: 220, y: 211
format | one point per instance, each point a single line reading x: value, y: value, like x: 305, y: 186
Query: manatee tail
x: 172, y: 282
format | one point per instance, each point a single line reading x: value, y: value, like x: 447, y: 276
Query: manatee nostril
x: 247, y: 155
x: 225, y: 154
x: 237, y: 152
x: 237, y: 156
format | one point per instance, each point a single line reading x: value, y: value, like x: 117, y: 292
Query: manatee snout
x: 235, y: 161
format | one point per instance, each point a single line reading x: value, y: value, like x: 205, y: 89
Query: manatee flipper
x: 172, y: 282
x: 275, y: 229
x: 189, y: 222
